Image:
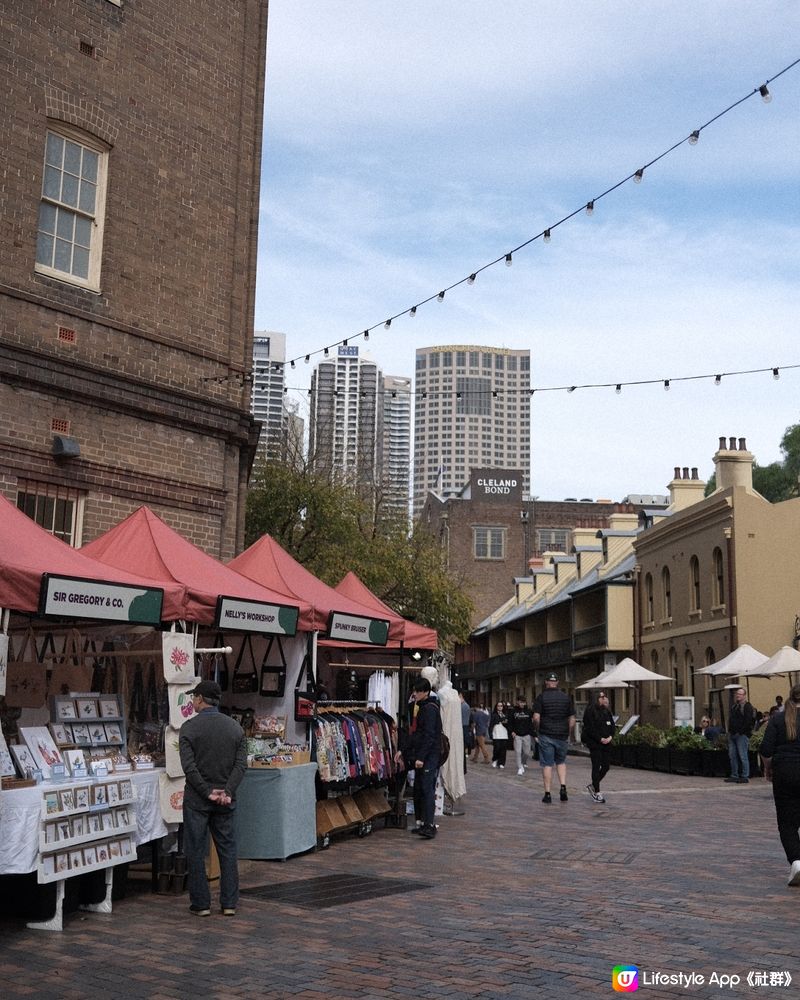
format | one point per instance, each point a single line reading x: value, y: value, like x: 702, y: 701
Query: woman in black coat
x: 498, y: 725
x: 780, y: 751
x: 597, y: 731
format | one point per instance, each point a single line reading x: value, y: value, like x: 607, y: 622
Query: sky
x: 407, y: 145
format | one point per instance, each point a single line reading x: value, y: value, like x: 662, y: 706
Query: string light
x: 547, y: 235
x: 694, y: 137
x: 637, y: 177
x: 412, y: 312
x: 471, y: 279
x: 508, y: 260
x: 666, y: 384
x: 776, y: 373
x: 717, y: 380
x: 590, y: 208
x: 307, y: 358
x: 766, y: 97
x: 618, y: 390
x: 440, y: 296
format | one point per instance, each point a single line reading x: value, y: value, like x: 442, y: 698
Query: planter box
x: 661, y: 759
x: 628, y: 756
x: 715, y: 763
x: 685, y: 761
x: 615, y: 755
x: 644, y: 758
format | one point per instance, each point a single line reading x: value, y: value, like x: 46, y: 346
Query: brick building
x: 128, y: 224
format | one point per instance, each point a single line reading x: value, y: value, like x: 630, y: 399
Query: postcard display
x: 90, y: 723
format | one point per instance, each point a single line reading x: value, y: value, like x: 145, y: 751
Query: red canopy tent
x: 144, y: 542
x: 27, y: 552
x: 266, y: 562
x: 415, y: 636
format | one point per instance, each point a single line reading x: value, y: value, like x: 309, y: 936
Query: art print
x: 80, y: 734
x: 87, y: 708
x: 102, y: 853
x: 114, y: 850
x: 113, y: 733
x: 113, y: 794
x: 62, y: 862
x: 96, y: 823
x: 23, y: 758
x: 181, y: 706
x: 79, y: 827
x: 50, y: 833
x: 74, y: 760
x: 89, y: 856
x: 42, y: 748
x: 82, y: 797
x: 49, y: 864
x: 123, y: 817
x: 127, y: 847
x: 109, y: 707
x: 108, y: 821
x: 51, y: 803
x: 67, y: 800
x: 64, y: 829
x: 99, y: 795
x: 125, y: 791
x: 60, y: 734
x: 97, y: 734
x: 75, y: 860
x: 177, y: 650
x: 6, y: 762
x: 66, y: 709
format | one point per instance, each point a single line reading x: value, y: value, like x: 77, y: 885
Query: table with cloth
x: 276, y: 812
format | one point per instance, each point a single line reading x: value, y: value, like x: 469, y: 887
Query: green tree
x: 334, y: 527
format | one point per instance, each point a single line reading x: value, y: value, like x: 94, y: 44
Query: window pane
x: 87, y: 197
x: 90, y: 160
x: 52, y: 183
x: 47, y: 218
x: 44, y: 250
x: 72, y: 158
x: 54, y: 149
x: 65, y: 225
x: 69, y: 190
x: 80, y: 262
x: 63, y: 256
x: 83, y: 231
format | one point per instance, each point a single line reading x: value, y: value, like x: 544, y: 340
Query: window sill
x: 67, y: 279
x: 696, y: 614
x: 666, y: 621
x: 718, y: 609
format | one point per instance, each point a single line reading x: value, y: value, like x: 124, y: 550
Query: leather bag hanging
x: 273, y: 678
x: 244, y: 681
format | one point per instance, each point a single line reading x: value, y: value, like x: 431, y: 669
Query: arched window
x: 694, y: 584
x: 719, y: 578
x: 673, y: 671
x: 648, y: 598
x: 666, y: 588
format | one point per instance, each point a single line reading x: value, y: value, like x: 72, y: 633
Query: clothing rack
x: 340, y: 707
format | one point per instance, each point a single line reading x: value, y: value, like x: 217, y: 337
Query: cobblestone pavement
x: 514, y: 899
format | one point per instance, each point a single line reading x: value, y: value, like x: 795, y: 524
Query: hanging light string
x: 516, y: 391
x: 507, y: 256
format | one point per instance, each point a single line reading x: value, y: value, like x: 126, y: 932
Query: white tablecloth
x: 21, y: 812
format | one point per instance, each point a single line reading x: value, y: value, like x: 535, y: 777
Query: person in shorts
x: 554, y: 719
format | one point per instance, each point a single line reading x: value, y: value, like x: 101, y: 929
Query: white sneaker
x: 502, y: 767
x: 494, y: 763
x: 520, y: 770
x: 794, y: 874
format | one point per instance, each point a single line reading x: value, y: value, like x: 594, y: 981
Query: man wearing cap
x: 214, y: 758
x: 554, y: 717
x: 521, y: 725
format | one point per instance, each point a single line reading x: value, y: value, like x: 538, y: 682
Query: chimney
x: 685, y: 489
x: 734, y: 464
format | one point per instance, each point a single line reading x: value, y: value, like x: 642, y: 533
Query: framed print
x: 113, y: 794
x: 87, y: 708
x: 113, y: 733
x: 23, y: 758
x: 42, y: 748
x: 75, y: 860
x: 114, y: 850
x: 99, y: 795
x: 109, y: 707
x: 96, y: 823
x: 108, y: 821
x: 61, y: 735
x: 79, y: 826
x: 80, y: 734
x: 51, y: 803
x: 50, y: 833
x: 74, y: 760
x: 89, y: 856
x: 126, y: 791
x: 67, y: 798
x: 64, y: 829
x: 7, y: 769
x: 49, y: 864
x: 62, y: 862
x: 82, y: 797
x: 123, y: 817
x: 97, y: 734
x: 65, y: 708
x: 102, y: 853
x: 127, y: 847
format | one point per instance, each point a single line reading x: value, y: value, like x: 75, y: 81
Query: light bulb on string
x: 618, y: 389
x: 776, y: 373
x: 327, y: 352
x: 307, y: 358
x: 471, y: 279
x: 508, y: 260
x: 440, y: 296
x: 717, y: 380
x: 412, y: 312
x: 291, y: 363
x: 344, y: 343
x: 666, y: 384
x: 590, y: 207
x: 693, y: 138
x: 547, y: 235
x: 766, y: 97
x: 637, y: 177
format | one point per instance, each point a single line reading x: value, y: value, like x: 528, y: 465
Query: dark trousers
x: 601, y: 762
x: 425, y: 794
x: 786, y: 792
x: 197, y: 823
x: 499, y: 751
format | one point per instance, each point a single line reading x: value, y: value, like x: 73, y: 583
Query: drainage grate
x: 332, y: 890
x: 592, y: 855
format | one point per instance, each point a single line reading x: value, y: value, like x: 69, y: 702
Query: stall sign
x: 75, y: 597
x: 354, y: 628
x: 256, y: 616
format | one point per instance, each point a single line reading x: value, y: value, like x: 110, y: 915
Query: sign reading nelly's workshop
x: 353, y: 628
x: 255, y: 616
x: 75, y: 597
x: 496, y: 484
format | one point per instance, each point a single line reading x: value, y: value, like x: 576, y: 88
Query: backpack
x: 444, y: 749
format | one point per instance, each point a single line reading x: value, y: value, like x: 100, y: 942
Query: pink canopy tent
x: 27, y: 552
x: 415, y: 636
x: 145, y: 543
x: 266, y: 562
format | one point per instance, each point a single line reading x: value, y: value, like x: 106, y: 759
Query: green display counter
x: 276, y: 812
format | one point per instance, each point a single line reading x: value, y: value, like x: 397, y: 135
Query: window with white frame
x: 489, y: 543
x: 57, y: 509
x: 70, y: 235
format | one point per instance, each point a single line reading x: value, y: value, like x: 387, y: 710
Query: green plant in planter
x: 650, y: 735
x: 685, y: 738
x: 755, y: 741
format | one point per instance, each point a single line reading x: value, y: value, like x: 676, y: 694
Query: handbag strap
x: 274, y: 639
x: 246, y: 642
x: 136, y: 710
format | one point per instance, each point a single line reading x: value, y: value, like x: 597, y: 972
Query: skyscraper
x: 269, y: 355
x: 396, y: 441
x: 472, y: 410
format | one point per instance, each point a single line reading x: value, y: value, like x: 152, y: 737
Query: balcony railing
x: 590, y: 638
x: 551, y: 654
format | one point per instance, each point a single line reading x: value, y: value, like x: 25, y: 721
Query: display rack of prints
x: 89, y: 720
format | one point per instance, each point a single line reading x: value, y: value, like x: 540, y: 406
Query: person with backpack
x: 423, y: 752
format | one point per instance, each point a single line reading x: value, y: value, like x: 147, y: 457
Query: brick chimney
x: 685, y: 489
x: 734, y: 464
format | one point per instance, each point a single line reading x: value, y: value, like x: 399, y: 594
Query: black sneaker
x: 563, y: 794
x: 547, y: 797
x: 731, y: 781
x: 428, y: 832
x: 744, y: 781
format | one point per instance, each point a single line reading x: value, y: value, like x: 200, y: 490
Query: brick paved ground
x: 673, y: 874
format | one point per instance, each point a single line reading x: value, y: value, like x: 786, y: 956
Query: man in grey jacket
x: 214, y: 758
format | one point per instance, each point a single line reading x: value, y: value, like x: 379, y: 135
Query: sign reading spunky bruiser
x: 76, y: 597
x: 256, y: 616
x: 354, y: 628
x: 496, y: 484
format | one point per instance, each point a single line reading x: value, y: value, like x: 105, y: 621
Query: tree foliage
x: 332, y: 528
x: 779, y: 480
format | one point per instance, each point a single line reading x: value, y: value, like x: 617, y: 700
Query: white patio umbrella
x: 629, y: 670
x: 596, y: 683
x: 785, y: 661
x: 743, y: 660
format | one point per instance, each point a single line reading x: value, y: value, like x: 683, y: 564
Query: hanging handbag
x: 273, y: 678
x: 245, y: 682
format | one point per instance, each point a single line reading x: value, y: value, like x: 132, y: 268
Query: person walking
x: 740, y: 728
x: 554, y: 719
x: 466, y: 727
x: 780, y: 752
x: 480, y: 719
x: 521, y: 728
x: 422, y: 753
x: 498, y: 727
x: 213, y: 754
x: 597, y: 732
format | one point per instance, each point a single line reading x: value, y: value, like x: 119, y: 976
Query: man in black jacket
x: 214, y: 759
x: 422, y: 752
x: 520, y: 721
x: 554, y: 717
x: 740, y: 728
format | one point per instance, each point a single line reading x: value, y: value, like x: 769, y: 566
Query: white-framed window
x: 69, y: 241
x: 489, y: 543
x: 57, y: 509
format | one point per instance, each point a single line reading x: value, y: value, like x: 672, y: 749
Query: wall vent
x: 87, y: 49
x: 66, y: 336
x: 59, y: 426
